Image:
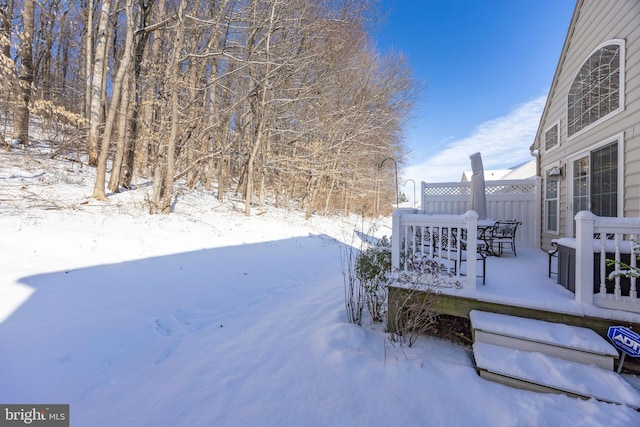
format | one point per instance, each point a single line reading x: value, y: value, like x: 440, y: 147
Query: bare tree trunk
x: 259, y: 112
x: 97, y: 76
x: 88, y: 58
x: 121, y: 142
x: 21, y: 119
x: 6, y: 63
x: 128, y: 169
x: 329, y: 193
x: 59, y: 77
x: 6, y: 13
x: 163, y: 191
x: 250, y: 167
x: 118, y: 84
x: 311, y: 195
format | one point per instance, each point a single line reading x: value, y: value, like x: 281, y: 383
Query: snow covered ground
x: 206, y: 317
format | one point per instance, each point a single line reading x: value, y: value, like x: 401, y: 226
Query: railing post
x: 585, y: 221
x: 396, y: 238
x: 472, y: 247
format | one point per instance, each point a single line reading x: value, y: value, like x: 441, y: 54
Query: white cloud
x: 503, y: 143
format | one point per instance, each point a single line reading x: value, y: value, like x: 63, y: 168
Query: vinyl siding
x: 594, y: 23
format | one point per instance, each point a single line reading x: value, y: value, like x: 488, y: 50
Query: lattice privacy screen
x: 491, y: 188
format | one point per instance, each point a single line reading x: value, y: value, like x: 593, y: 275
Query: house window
x: 604, y: 181
x: 551, y: 137
x: 580, y: 185
x: 552, y: 207
x: 595, y: 182
x: 597, y: 90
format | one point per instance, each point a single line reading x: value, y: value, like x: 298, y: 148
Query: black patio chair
x: 450, y: 251
x: 553, y: 253
x: 503, y: 234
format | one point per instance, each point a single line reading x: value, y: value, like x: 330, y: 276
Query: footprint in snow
x: 163, y: 328
x: 192, y: 321
x: 167, y: 354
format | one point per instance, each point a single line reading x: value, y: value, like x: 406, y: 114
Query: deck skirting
x: 459, y: 306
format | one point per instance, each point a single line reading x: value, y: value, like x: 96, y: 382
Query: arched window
x: 597, y: 91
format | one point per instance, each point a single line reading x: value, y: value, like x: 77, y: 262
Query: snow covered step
x: 555, y: 339
x: 542, y: 373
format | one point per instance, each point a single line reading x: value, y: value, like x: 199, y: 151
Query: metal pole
x: 414, y: 191
x: 396, y: 167
x: 621, y: 362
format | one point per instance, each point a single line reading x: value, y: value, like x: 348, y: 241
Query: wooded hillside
x: 282, y: 99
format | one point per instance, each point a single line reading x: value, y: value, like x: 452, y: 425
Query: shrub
x: 373, y: 266
x: 412, y: 312
x: 353, y: 287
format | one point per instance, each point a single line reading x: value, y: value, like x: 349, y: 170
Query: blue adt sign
x: 625, y: 339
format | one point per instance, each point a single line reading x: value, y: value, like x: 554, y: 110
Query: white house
x: 523, y: 171
x: 586, y: 192
x: 588, y: 140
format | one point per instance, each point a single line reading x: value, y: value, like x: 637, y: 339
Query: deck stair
x: 548, y: 357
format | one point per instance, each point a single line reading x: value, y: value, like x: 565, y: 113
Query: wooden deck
x: 520, y: 286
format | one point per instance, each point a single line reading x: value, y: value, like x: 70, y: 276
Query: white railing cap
x: 585, y: 216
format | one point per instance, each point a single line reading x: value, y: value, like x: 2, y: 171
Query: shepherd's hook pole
x: 396, y: 167
x: 414, y: 191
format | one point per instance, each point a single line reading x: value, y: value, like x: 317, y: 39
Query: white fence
x: 615, y: 237
x: 415, y: 234
x: 507, y: 199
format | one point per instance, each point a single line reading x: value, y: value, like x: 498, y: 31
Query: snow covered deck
x: 521, y: 286
x: 522, y: 281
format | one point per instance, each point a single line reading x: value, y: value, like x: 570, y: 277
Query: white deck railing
x: 413, y: 232
x: 615, y: 237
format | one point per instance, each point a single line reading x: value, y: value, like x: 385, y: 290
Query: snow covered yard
x: 210, y: 318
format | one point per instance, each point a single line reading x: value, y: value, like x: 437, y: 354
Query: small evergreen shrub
x: 373, y: 266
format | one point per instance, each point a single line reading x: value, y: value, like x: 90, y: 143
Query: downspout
x: 535, y: 152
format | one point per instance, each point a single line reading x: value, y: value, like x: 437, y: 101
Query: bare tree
x: 119, y: 86
x: 165, y: 169
x: 88, y: 57
x: 97, y: 80
x: 276, y: 99
x: 6, y: 14
x: 21, y: 118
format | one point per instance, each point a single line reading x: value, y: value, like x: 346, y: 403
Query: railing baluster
x: 458, y: 235
x: 603, y: 264
x: 413, y: 241
x: 447, y: 232
x: 453, y: 243
x: 405, y: 245
x: 633, y: 293
x: 617, y: 291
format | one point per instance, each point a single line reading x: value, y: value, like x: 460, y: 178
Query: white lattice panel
x: 508, y: 199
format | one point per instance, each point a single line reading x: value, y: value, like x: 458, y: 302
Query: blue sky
x: 486, y: 66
